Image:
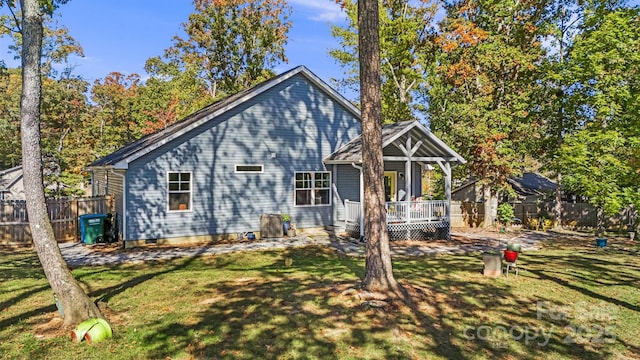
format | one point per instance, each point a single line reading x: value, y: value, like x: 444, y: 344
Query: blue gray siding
x: 289, y: 128
x: 347, y: 184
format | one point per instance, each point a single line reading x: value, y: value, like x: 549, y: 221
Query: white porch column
x: 446, y: 168
x: 361, y: 205
x: 361, y: 200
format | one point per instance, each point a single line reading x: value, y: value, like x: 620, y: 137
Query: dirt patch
x: 52, y: 329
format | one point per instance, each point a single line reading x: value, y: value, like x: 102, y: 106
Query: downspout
x: 361, y: 200
x: 124, y: 205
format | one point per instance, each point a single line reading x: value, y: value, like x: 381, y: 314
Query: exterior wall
x: 416, y: 180
x: 469, y: 193
x: 98, y: 182
x: 105, y: 182
x: 289, y: 128
x: 347, y: 187
x: 400, y: 167
x: 116, y: 188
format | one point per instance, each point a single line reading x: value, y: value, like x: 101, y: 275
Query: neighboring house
x: 11, y: 185
x: 288, y: 145
x: 528, y: 188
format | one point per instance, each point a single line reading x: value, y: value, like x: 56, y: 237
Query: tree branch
x: 15, y: 18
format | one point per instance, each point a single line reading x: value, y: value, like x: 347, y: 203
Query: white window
x: 249, y: 168
x: 312, y: 188
x: 179, y: 191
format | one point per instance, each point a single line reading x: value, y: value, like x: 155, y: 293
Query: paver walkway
x: 77, y: 254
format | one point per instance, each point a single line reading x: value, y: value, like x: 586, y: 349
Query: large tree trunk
x: 379, y: 272
x: 77, y: 305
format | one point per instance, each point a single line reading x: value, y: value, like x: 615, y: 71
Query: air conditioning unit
x: 271, y: 226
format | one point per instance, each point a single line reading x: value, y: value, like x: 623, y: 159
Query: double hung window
x: 179, y: 191
x: 312, y: 188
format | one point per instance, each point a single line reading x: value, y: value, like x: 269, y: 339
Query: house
x: 528, y: 187
x: 288, y: 145
x: 11, y: 185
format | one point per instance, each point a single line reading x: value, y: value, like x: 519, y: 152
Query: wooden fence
x: 574, y: 215
x: 63, y: 213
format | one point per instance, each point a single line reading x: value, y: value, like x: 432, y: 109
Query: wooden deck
x: 406, y: 220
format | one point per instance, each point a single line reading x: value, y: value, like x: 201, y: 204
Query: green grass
x: 253, y: 305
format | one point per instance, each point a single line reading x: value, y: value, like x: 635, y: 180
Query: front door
x: 390, y: 189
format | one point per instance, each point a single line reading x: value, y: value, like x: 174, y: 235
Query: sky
x: 120, y: 35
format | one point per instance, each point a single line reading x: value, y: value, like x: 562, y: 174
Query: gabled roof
x: 529, y: 184
x: 122, y: 157
x: 432, y: 147
x: 11, y: 176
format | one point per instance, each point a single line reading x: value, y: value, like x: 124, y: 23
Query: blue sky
x: 120, y: 35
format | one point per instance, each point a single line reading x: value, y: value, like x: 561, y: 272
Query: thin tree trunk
x: 379, y: 272
x: 490, y: 206
x: 77, y: 305
x: 557, y: 207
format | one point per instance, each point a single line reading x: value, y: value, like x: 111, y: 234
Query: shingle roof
x: 152, y: 141
x: 431, y: 146
x: 531, y: 184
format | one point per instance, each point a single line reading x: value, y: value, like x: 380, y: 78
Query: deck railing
x: 403, y: 212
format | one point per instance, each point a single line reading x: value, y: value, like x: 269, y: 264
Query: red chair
x: 510, y: 258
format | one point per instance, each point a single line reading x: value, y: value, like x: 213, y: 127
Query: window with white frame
x: 312, y: 188
x: 179, y: 191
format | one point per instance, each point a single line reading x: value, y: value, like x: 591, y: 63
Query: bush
x: 505, y: 213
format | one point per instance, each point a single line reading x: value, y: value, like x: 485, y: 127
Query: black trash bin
x: 92, y: 228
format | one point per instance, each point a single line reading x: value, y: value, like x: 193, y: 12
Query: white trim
x: 419, y: 158
x: 312, y: 189
x: 397, y: 135
x: 437, y: 140
x: 361, y: 201
x: 190, y: 209
x: 235, y: 169
x: 432, y: 141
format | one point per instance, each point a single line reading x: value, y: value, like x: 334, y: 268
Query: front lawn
x: 571, y: 300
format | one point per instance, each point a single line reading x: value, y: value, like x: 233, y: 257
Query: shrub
x: 505, y: 213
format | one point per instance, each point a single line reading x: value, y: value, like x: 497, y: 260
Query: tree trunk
x: 490, y: 206
x: 379, y: 272
x: 557, y: 207
x: 76, y: 304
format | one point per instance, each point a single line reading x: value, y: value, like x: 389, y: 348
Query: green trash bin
x: 92, y: 228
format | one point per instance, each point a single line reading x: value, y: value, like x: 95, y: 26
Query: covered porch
x: 418, y: 220
x: 408, y: 148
